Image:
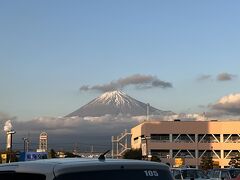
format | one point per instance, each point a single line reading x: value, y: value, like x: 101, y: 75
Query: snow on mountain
x: 115, y: 103
x: 118, y: 98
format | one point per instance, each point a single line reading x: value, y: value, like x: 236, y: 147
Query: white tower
x: 8, y: 128
x: 9, y: 140
x: 43, y: 139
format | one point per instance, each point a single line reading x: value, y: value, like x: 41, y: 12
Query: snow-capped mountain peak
x: 117, y: 97
x: 114, y: 103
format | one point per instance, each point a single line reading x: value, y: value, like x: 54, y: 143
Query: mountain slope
x: 114, y: 103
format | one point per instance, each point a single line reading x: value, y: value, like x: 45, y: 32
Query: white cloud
x: 8, y: 126
x: 228, y: 105
x: 78, y: 124
x: 64, y: 132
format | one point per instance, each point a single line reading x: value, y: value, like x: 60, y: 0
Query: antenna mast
x: 148, y: 111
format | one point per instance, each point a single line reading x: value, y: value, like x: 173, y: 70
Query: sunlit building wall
x: 190, y: 140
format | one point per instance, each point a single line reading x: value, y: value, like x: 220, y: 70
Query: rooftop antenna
x: 102, y: 156
x: 205, y: 116
x: 91, y: 148
x: 148, y: 111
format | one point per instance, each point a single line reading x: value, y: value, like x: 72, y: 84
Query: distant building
x: 43, y: 142
x: 189, y: 140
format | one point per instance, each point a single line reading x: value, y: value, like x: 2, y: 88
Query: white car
x: 86, y: 169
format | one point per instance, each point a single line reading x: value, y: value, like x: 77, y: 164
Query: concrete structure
x: 120, y: 144
x: 43, y: 141
x: 189, y: 140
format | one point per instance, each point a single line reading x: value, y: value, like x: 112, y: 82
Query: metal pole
x: 146, y: 147
x: 10, y: 158
x: 112, y: 146
x: 117, y: 147
x: 147, y: 111
x: 27, y: 145
x: 197, y: 152
x: 24, y: 144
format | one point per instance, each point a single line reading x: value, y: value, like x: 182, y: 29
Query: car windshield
x: 118, y: 175
x: 234, y: 172
x: 196, y: 174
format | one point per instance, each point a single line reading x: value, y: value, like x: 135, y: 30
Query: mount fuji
x: 115, y: 103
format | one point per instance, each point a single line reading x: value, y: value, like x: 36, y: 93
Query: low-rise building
x: 188, y: 140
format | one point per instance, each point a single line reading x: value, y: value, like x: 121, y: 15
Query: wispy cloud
x: 220, y: 77
x: 137, y: 80
x: 204, y: 77
x: 225, y: 77
x: 4, y: 116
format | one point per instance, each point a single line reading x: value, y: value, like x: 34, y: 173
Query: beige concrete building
x: 189, y: 140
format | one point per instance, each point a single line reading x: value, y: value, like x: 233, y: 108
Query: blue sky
x: 49, y: 49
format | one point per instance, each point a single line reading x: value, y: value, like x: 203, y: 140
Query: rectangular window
x: 183, y: 153
x: 163, y: 153
x: 231, y: 138
x: 160, y: 137
x: 209, y: 138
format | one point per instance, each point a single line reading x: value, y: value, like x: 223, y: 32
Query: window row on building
x: 193, y: 138
x: 184, y: 153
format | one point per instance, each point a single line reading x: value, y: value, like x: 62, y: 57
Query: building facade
x: 188, y: 140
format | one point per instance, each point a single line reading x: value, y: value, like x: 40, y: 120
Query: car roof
x: 67, y: 165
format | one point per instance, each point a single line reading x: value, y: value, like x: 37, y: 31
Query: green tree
x: 70, y: 155
x: 133, y: 154
x: 155, y: 158
x: 53, y: 154
x: 206, y: 163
